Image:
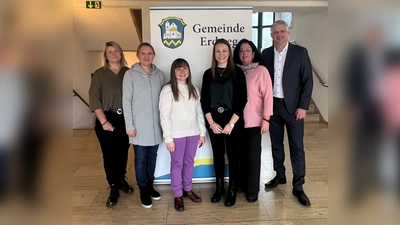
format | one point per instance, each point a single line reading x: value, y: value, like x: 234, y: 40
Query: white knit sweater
x: 183, y: 118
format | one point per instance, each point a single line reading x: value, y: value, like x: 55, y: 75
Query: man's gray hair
x: 279, y: 22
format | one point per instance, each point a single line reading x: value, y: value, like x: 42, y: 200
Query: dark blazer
x: 297, y: 80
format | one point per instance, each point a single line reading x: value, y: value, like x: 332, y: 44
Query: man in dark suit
x: 290, y: 69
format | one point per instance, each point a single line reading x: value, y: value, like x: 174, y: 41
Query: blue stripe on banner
x: 194, y: 8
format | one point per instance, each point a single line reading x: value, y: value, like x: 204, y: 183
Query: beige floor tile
x: 120, y: 215
x: 317, y: 163
x: 75, y: 167
x: 317, y: 174
x: 316, y: 189
x: 100, y: 162
x: 90, y: 171
x: 270, y: 193
x: 206, y: 212
x: 290, y: 209
x: 84, y: 197
x: 311, y: 222
x: 89, y: 182
x: 275, y: 206
x: 248, y: 223
x: 316, y: 155
x: 87, y: 160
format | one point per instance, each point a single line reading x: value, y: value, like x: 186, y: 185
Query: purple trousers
x: 182, y: 163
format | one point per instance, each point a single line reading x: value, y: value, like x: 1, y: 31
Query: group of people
x: 244, y: 94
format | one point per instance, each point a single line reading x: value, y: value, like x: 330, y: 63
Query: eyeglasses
x: 245, y: 50
x: 181, y: 69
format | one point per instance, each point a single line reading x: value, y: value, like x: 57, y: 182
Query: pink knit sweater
x: 259, y: 97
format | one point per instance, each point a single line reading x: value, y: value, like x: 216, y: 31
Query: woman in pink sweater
x: 256, y: 115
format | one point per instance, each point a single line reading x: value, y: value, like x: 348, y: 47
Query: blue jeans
x: 145, y: 163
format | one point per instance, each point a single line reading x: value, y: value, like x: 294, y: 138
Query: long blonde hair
x: 118, y: 48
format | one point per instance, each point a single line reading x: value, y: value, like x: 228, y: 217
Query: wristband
x: 266, y: 120
x: 104, y: 123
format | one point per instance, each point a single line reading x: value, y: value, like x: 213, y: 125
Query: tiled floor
x: 275, y: 206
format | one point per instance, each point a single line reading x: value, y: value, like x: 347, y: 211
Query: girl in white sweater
x: 182, y: 122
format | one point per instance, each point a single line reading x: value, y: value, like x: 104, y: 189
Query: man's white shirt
x: 279, y: 63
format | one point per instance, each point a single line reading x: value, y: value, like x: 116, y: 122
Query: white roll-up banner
x: 190, y: 33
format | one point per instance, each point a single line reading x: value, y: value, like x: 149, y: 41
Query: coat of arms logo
x: 172, y: 31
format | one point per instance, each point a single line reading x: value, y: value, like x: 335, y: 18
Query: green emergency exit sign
x: 93, y: 4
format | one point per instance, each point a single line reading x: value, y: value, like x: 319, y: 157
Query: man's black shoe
x: 274, y: 182
x: 302, y: 197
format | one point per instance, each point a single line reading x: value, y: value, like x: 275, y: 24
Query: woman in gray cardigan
x: 142, y: 85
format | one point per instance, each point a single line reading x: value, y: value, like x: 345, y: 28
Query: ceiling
x: 114, y: 21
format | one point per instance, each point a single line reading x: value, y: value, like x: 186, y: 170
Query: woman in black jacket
x: 223, y: 98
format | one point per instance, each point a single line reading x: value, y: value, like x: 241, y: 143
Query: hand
x: 108, y: 126
x: 300, y: 113
x: 216, y: 128
x: 202, y: 141
x: 264, y: 127
x: 131, y: 133
x: 171, y: 146
x: 227, y: 129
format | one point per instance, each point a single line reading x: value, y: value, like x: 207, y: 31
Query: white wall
x: 81, y: 69
x: 131, y: 58
x: 311, y: 31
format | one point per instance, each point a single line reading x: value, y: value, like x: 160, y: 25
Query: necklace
x: 221, y: 71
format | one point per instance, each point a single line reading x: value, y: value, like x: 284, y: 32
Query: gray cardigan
x: 140, y: 98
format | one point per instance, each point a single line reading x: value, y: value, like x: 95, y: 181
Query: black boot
x: 220, y: 190
x: 230, y: 199
x: 124, y: 186
x: 155, y: 195
x: 145, y: 197
x: 114, y: 195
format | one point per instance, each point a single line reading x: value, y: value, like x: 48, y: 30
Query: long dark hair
x: 230, y: 71
x: 178, y: 63
x: 257, y: 54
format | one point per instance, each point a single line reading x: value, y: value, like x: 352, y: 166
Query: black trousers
x: 4, y: 170
x: 250, y: 160
x: 229, y: 143
x: 114, y: 146
x: 295, y: 132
